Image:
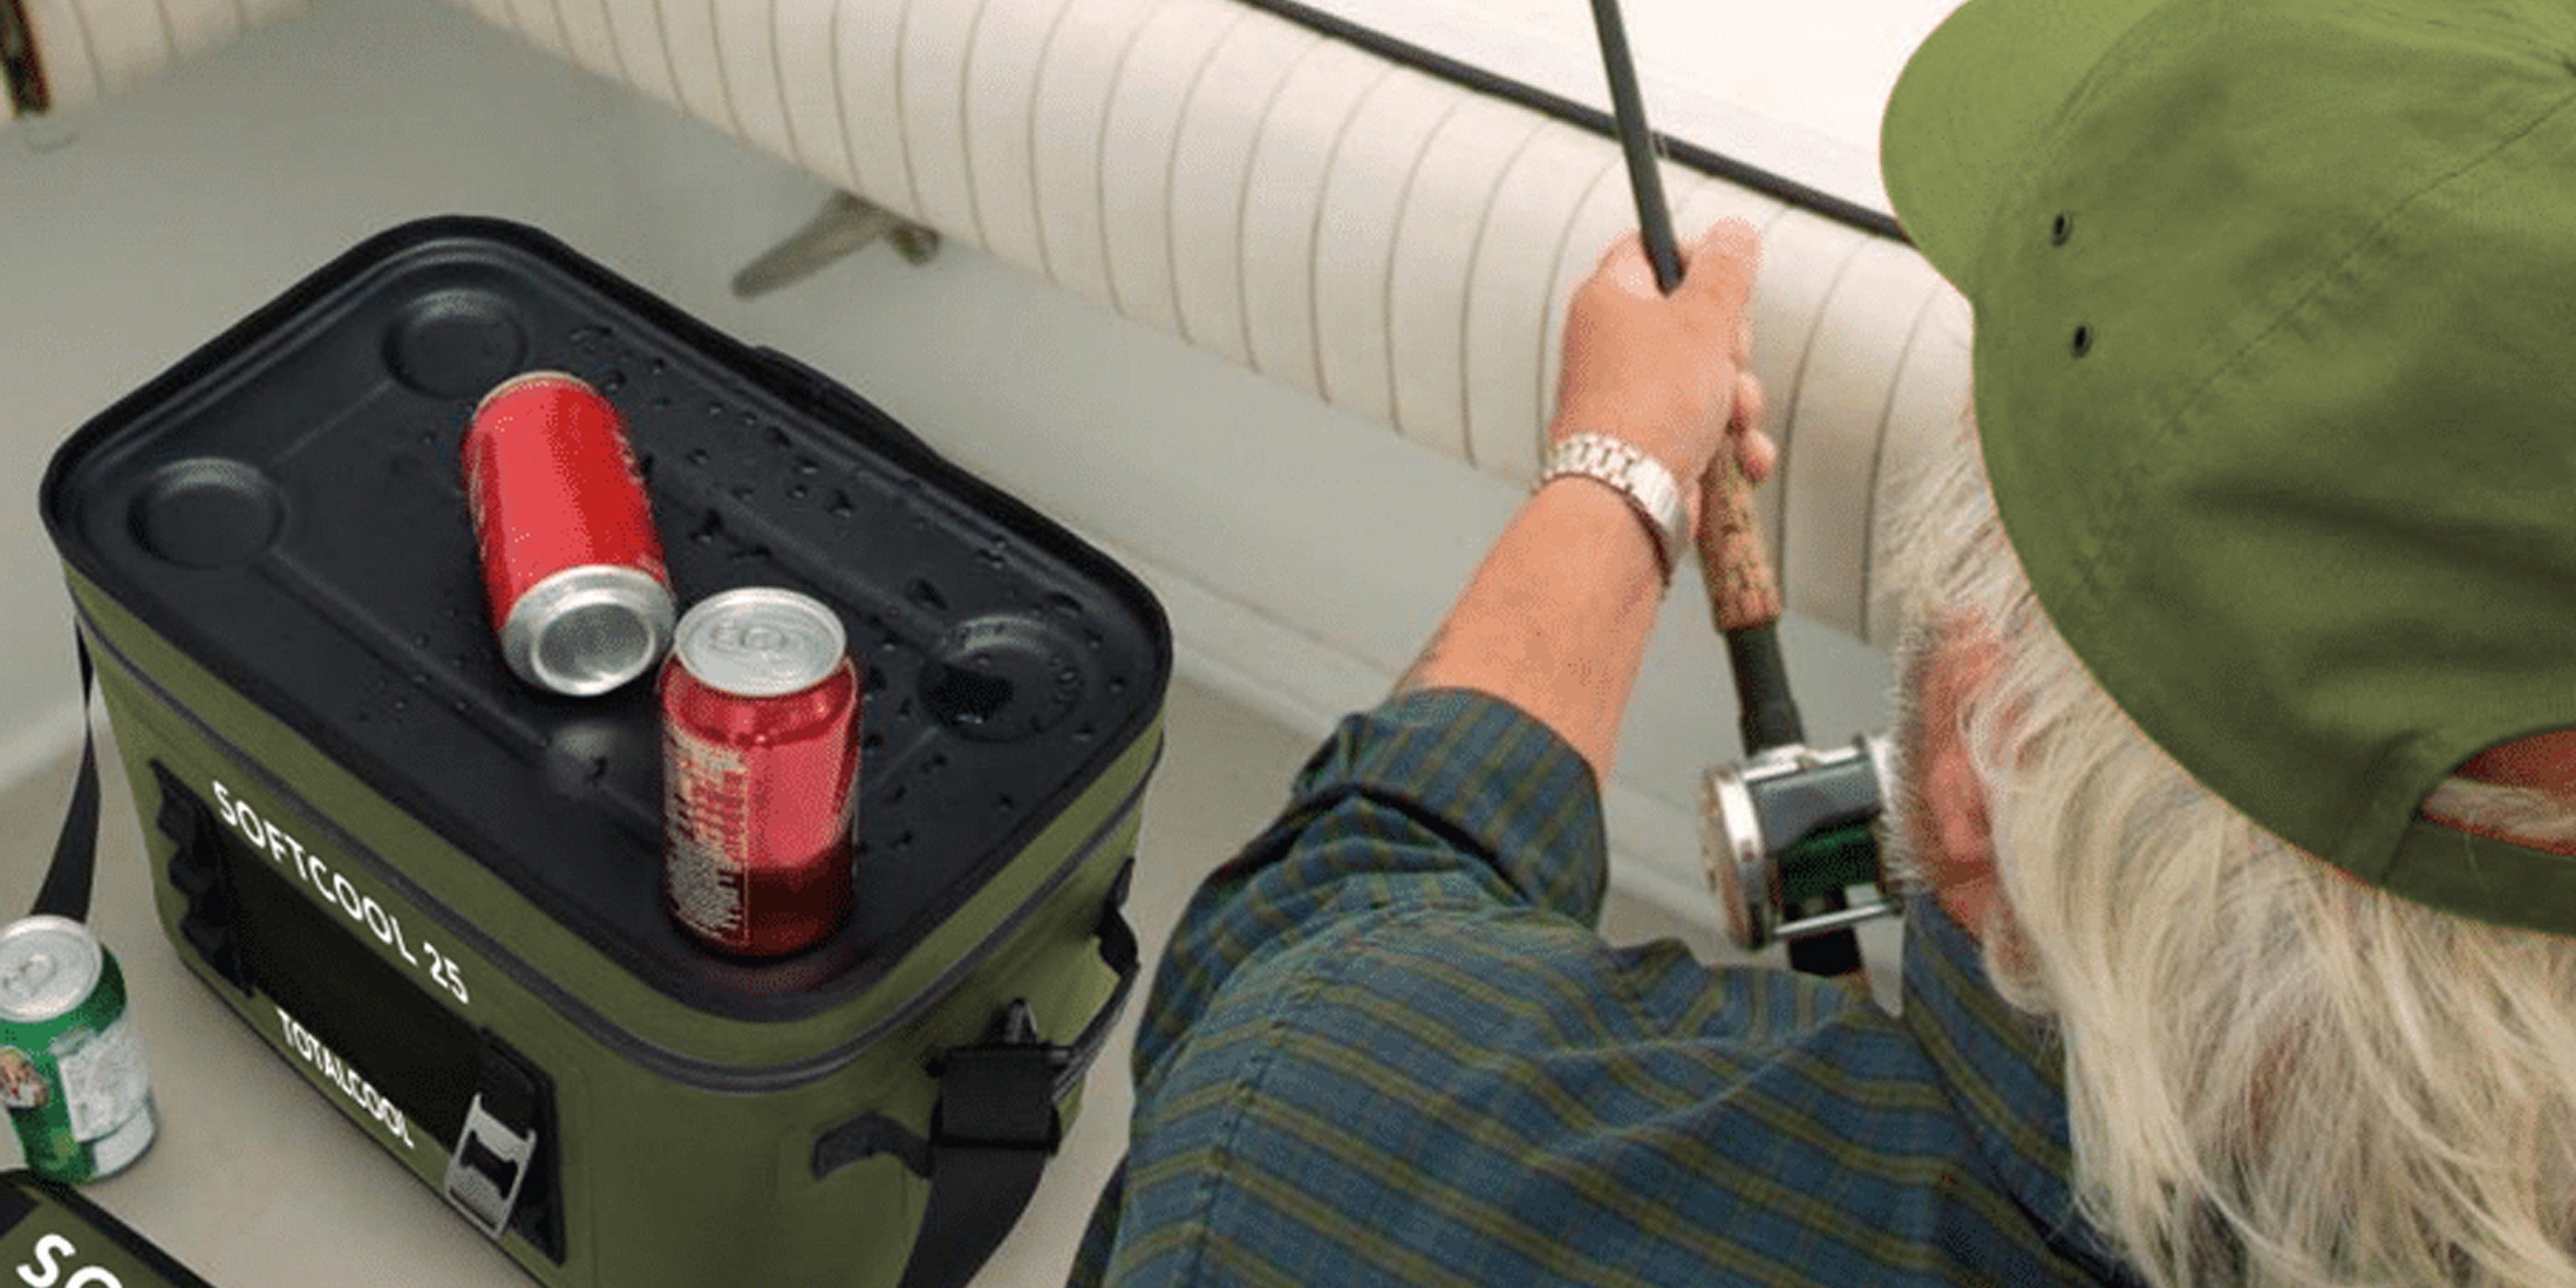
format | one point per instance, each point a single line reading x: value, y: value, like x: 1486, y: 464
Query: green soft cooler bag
x: 437, y: 891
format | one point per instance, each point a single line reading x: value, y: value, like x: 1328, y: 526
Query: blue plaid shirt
x: 1386, y: 1046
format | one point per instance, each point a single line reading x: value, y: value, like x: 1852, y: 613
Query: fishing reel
x: 1787, y: 836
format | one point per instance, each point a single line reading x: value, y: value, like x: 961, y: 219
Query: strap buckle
x: 1002, y: 1094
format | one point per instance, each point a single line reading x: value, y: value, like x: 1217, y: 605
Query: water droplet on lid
x: 842, y: 507
x: 660, y: 365
x: 927, y: 595
x: 742, y: 494
x: 808, y: 466
x: 798, y: 492
x: 610, y: 381
x: 698, y: 456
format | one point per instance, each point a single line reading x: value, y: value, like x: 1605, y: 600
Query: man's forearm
x: 1556, y: 619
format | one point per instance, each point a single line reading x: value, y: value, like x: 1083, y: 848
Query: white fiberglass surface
x: 1796, y: 89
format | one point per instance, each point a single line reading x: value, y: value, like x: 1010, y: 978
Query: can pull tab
x: 487, y: 1169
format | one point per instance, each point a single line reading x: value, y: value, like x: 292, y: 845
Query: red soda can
x: 760, y: 769
x: 572, y: 567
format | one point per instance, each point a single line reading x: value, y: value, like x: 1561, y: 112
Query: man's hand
x: 1668, y: 374
x: 1556, y: 618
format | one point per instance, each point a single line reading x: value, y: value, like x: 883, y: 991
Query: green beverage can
x: 71, y: 1064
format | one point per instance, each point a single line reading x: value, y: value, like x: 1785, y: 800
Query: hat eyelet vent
x: 2083, y: 340
x: 2061, y: 229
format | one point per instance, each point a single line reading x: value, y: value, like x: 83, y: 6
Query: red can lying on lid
x: 572, y: 567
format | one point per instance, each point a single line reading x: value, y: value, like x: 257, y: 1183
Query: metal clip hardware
x: 844, y: 226
x: 487, y: 1170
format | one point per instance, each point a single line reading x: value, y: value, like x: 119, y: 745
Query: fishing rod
x: 1785, y: 834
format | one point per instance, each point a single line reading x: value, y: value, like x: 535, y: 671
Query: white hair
x: 2276, y: 1075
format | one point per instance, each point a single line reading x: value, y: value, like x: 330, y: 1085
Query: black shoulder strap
x: 66, y: 889
x: 995, y: 1124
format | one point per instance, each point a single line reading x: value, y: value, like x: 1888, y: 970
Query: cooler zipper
x: 689, y: 1070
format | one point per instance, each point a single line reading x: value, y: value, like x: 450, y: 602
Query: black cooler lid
x: 286, y: 506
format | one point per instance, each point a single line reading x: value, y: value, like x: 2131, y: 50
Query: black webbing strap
x: 990, y: 1138
x: 66, y: 889
x: 995, y: 1125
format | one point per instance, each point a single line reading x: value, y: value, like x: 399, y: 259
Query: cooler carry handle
x: 995, y: 1124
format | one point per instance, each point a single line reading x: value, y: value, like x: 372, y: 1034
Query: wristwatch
x: 1643, y: 480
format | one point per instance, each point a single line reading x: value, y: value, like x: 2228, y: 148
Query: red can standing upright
x: 760, y: 766
x: 572, y: 567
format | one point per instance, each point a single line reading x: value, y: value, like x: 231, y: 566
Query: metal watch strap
x: 1643, y: 480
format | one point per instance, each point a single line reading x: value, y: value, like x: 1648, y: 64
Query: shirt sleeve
x: 1442, y: 799
x: 1386, y: 1045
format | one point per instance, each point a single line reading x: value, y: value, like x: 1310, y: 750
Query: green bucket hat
x: 2275, y: 373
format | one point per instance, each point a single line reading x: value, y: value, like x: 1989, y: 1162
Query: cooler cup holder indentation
x: 456, y: 343
x: 1003, y: 677
x: 207, y: 512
